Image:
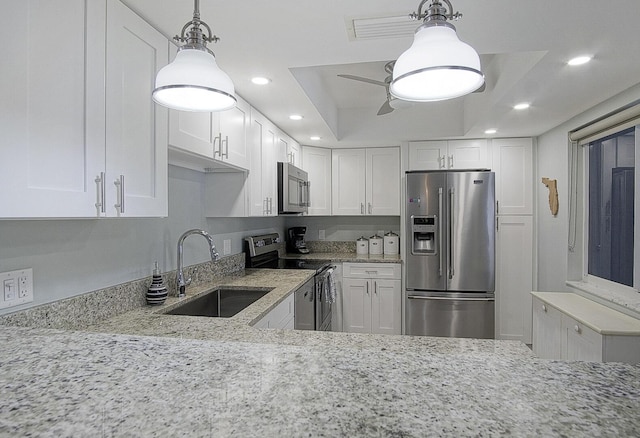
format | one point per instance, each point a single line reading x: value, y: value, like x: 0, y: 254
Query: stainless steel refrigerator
x: 450, y: 264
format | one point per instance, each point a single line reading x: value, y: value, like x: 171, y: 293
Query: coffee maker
x: 295, y: 240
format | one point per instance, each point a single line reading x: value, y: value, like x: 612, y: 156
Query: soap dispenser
x: 157, y: 292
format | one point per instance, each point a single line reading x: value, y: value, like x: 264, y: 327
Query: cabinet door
x: 468, y: 154
x: 136, y: 127
x: 383, y: 181
x: 580, y: 342
x: 191, y: 132
x: 547, y: 331
x: 357, y: 305
x: 51, y: 108
x: 233, y: 126
x: 386, y: 307
x: 348, y: 182
x: 514, y: 277
x: 317, y: 163
x: 427, y: 155
x: 513, y: 165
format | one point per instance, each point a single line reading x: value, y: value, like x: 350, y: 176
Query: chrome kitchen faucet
x: 182, y: 283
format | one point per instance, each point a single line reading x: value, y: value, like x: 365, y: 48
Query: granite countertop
x: 144, y: 373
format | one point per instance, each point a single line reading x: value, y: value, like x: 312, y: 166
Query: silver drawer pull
x: 576, y: 328
x: 544, y: 308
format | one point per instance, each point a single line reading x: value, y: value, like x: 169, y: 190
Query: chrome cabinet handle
x: 119, y: 194
x: 226, y: 146
x: 367, y: 287
x: 544, y: 308
x: 100, y: 193
x: 576, y: 328
x: 450, y: 161
x: 370, y: 208
x: 217, y: 151
x: 375, y: 287
x: 361, y: 208
x: 441, y: 162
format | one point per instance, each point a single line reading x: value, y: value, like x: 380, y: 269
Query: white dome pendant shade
x: 437, y: 66
x: 194, y: 82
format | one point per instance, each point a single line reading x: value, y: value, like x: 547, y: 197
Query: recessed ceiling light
x: 295, y: 117
x: 521, y: 106
x: 258, y: 80
x: 579, y: 60
x: 491, y: 131
x: 314, y: 138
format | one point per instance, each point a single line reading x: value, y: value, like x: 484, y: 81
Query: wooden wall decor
x: 552, y: 185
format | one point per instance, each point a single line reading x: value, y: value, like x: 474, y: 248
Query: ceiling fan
x: 392, y: 102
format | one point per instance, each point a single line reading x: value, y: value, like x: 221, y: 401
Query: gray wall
x: 556, y: 263
x: 72, y: 257
x: 345, y: 228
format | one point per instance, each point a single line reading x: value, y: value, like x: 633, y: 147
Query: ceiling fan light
x: 437, y: 66
x: 194, y: 82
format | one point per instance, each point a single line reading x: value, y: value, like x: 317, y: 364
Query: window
x: 611, y: 194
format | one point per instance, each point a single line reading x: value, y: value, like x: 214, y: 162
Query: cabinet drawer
x: 371, y: 270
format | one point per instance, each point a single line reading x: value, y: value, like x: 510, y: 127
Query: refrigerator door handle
x: 440, y: 232
x: 451, y: 233
x: 420, y: 297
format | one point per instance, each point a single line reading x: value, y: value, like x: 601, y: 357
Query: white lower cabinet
x: 280, y: 317
x: 575, y: 328
x: 372, y: 298
x: 514, y: 277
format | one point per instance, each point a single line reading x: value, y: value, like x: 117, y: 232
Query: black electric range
x: 314, y: 300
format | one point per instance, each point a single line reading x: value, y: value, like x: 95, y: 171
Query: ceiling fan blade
x: 385, y: 108
x: 361, y: 79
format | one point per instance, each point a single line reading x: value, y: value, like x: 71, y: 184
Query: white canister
x: 362, y: 246
x: 375, y: 245
x: 391, y: 243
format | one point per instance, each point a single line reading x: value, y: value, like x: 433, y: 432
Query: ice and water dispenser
x: 424, y: 231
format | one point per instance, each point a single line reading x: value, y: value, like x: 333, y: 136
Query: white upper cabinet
x: 383, y: 182
x: 48, y: 161
x: 66, y: 139
x: 348, y: 189
x: 449, y: 154
x: 136, y: 127
x: 209, y: 140
x: 317, y: 163
x: 262, y: 179
x: 366, y: 181
x: 513, y: 165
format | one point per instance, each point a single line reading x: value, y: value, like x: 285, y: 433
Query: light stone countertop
x: 602, y: 319
x: 143, y: 373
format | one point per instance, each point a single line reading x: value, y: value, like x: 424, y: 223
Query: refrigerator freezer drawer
x: 460, y: 317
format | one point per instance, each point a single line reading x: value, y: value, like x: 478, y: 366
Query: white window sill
x: 627, y: 302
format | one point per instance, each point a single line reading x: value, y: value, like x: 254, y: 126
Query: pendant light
x: 193, y: 81
x: 437, y: 66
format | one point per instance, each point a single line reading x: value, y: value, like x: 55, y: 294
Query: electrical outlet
x: 226, y: 248
x: 321, y: 235
x: 17, y: 287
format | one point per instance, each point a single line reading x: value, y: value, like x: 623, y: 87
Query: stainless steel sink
x: 223, y: 302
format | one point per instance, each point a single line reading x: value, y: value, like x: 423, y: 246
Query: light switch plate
x: 321, y: 235
x: 17, y: 287
x: 226, y: 250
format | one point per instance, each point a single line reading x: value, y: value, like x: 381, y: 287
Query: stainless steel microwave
x: 293, y: 189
